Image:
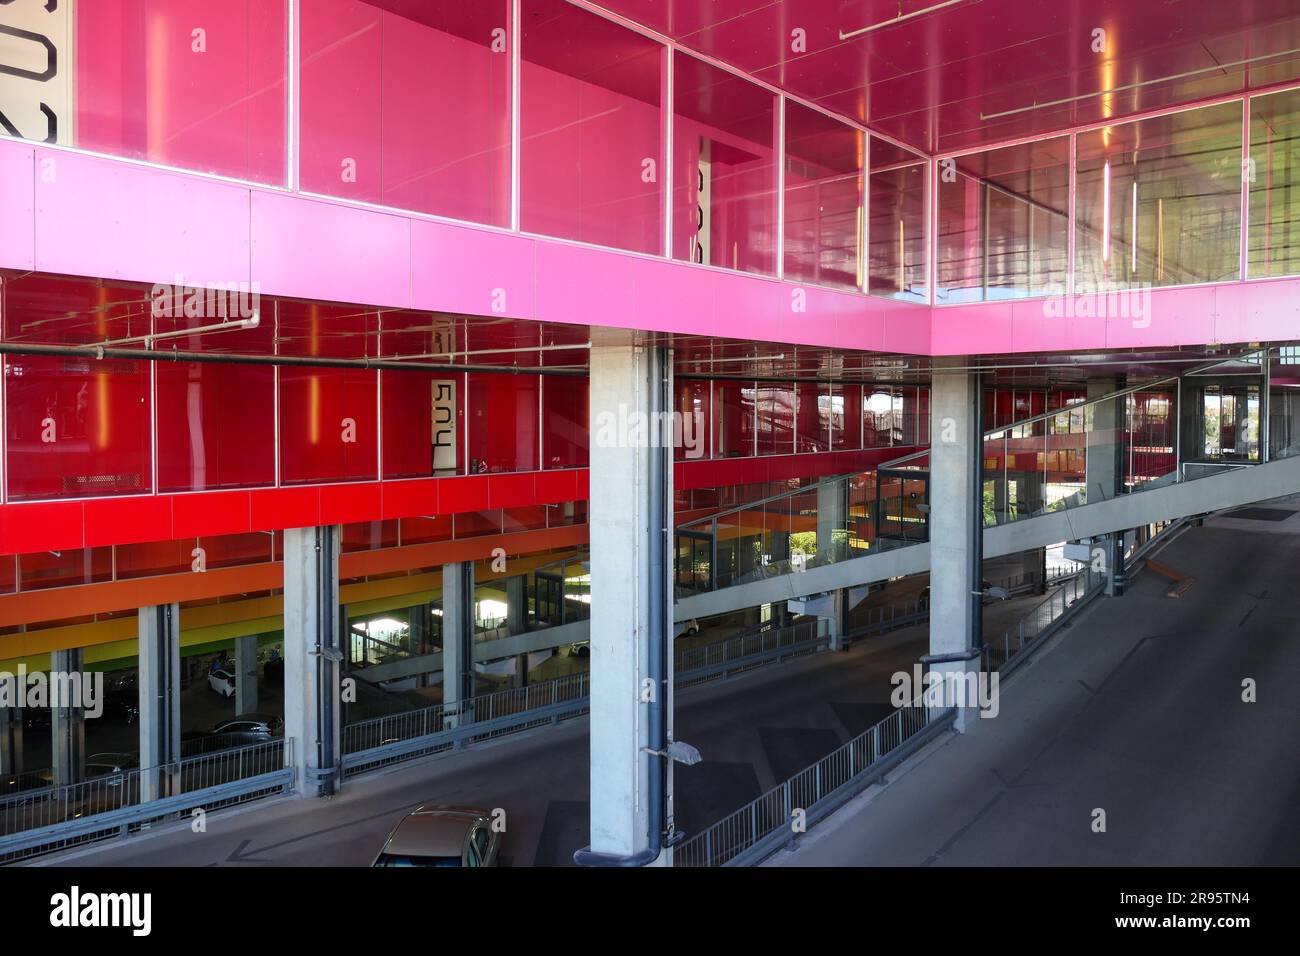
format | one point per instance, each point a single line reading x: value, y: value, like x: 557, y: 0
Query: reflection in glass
x: 823, y: 199
x: 896, y: 232
x: 1003, y: 223
x: 1274, y: 177
x: 1158, y: 201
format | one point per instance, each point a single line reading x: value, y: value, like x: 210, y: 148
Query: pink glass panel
x: 591, y: 129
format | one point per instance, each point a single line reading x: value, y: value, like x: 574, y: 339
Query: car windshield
x: 397, y: 859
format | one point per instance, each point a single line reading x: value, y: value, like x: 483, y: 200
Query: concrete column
x: 313, y: 652
x: 457, y: 642
x: 159, y: 687
x: 246, y: 674
x: 631, y: 604
x: 1104, y: 445
x: 829, y: 607
x: 956, y: 507
x: 780, y: 545
x: 11, y: 741
x: 1113, y: 544
x: 1034, y: 565
x: 517, y: 621
x: 67, y: 724
x: 832, y: 515
x: 417, y: 620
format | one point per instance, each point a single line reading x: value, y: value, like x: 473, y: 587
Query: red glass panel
x: 503, y: 423
x: 564, y: 416
x: 53, y: 569
x: 154, y: 557
x: 413, y: 401
x: 76, y: 427
x: 775, y: 419
x: 694, y: 412
x: 216, y: 425
x: 369, y: 535
x: 733, y: 411
x: 426, y: 529
x: 813, y: 416
x: 327, y: 424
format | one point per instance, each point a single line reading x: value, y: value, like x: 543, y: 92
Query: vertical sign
x: 703, y: 200
x: 36, y: 70
x: 444, y: 426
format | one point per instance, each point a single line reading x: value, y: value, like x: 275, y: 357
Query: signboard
x: 444, y: 426
x: 36, y: 64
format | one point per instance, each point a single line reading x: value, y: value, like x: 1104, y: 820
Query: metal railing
x: 1068, y: 594
x: 743, y: 652
x: 40, y: 820
x: 764, y: 824
x: 382, y: 741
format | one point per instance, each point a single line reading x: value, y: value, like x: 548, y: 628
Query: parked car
x: 110, y: 765
x: 692, y: 628
x: 580, y: 649
x: 250, y: 728
x: 442, y: 836
x: 222, y: 681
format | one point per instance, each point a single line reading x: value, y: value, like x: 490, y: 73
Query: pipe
x: 99, y: 352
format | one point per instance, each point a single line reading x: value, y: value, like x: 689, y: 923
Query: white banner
x: 36, y: 67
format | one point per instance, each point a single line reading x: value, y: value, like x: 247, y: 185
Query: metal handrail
x: 763, y: 824
x: 137, y: 789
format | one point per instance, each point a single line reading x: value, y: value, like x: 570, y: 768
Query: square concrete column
x: 955, y: 523
x: 246, y: 674
x: 67, y: 724
x: 313, y: 652
x: 1033, y: 566
x: 159, y: 688
x: 832, y: 520
x: 1104, y: 445
x: 517, y: 621
x: 11, y: 741
x: 457, y: 643
x: 630, y: 522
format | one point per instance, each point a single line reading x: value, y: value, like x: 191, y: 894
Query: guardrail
x: 761, y: 826
x: 37, y: 821
x: 744, y: 652
x: 383, y: 741
x: 1006, y: 654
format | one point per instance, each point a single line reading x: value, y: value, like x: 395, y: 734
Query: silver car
x: 442, y: 836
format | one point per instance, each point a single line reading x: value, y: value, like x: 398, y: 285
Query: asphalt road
x: 1136, y: 710
x: 754, y: 731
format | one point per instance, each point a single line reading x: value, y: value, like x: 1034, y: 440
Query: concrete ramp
x: 1164, y: 502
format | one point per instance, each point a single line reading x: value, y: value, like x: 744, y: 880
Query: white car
x: 223, y: 682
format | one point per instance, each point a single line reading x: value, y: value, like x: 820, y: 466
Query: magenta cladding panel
x: 321, y: 250
x: 17, y: 200
x: 114, y: 220
x: 101, y: 217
